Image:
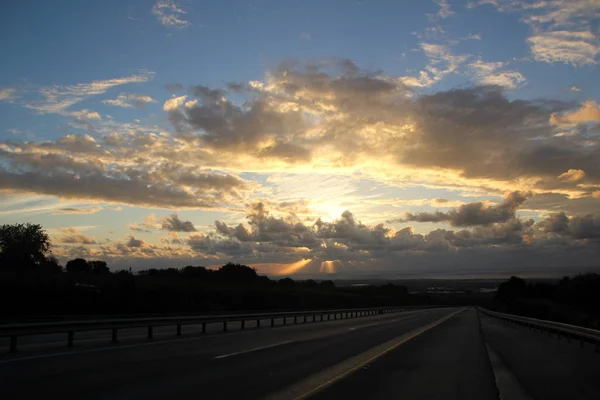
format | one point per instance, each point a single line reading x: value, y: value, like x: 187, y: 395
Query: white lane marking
x: 255, y: 349
x: 362, y: 326
x: 508, y: 385
x: 393, y: 320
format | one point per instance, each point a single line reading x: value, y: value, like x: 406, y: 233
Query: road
x: 426, y: 354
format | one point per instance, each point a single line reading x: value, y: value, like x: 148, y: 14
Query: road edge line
x: 319, y: 381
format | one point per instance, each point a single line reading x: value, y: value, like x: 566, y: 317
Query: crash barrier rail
x: 571, y: 332
x: 14, y: 331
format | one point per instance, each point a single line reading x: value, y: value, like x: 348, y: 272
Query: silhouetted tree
x: 286, y: 282
x: 51, y: 265
x: 196, y: 271
x: 98, y: 267
x: 327, y: 285
x: 237, y: 272
x: 511, y: 289
x: 78, y: 265
x: 23, y: 245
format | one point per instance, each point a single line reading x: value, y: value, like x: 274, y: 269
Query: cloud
x: 491, y: 73
x: 133, y: 242
x: 127, y: 100
x: 7, y: 94
x: 305, y: 36
x: 588, y: 113
x: 345, y: 244
x: 585, y: 226
x: 58, y: 98
x: 441, y: 63
x: 74, y: 236
x: 472, y: 214
x: 170, y: 14
x: 77, y: 210
x: 174, y: 224
x: 444, y: 11
x: 329, y: 117
x: 173, y: 103
x: 562, y: 30
x: 572, y: 175
x: 575, y: 88
x: 569, y: 47
x: 74, y: 167
x: 348, y: 247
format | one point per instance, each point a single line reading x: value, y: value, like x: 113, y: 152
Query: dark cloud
x: 350, y: 240
x: 144, y: 183
x: 174, y: 224
x: 472, y: 214
x: 263, y: 227
x: 585, y: 226
x: 209, y: 244
x: 133, y: 242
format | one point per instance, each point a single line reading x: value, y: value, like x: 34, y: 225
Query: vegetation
x: 35, y: 285
x: 574, y: 300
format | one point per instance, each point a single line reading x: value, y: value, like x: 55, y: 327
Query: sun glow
x: 328, y: 267
x: 294, y: 267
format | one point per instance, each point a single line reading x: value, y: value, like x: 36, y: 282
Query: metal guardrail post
x: 224, y: 326
x: 295, y: 320
x: 243, y: 324
x: 258, y: 323
x: 178, y: 330
x: 272, y: 322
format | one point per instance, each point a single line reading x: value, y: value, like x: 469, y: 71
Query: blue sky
x: 122, y: 120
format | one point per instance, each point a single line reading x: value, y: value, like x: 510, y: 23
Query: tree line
x: 574, y: 300
x: 35, y: 285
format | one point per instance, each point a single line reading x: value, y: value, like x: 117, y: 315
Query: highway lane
x: 475, y: 356
x: 448, y: 362
x: 249, y: 364
x: 546, y: 367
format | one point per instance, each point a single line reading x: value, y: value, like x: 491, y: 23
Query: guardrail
x: 14, y: 331
x: 569, y: 331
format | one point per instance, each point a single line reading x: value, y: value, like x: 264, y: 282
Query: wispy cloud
x: 56, y: 99
x: 563, y: 31
x: 493, y: 73
x: 7, y: 94
x: 77, y: 210
x: 127, y: 100
x: 569, y: 47
x: 441, y: 63
x: 443, y: 12
x: 170, y: 14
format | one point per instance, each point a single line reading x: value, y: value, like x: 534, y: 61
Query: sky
x: 346, y: 139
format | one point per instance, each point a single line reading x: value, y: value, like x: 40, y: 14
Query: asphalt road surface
x: 426, y: 354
